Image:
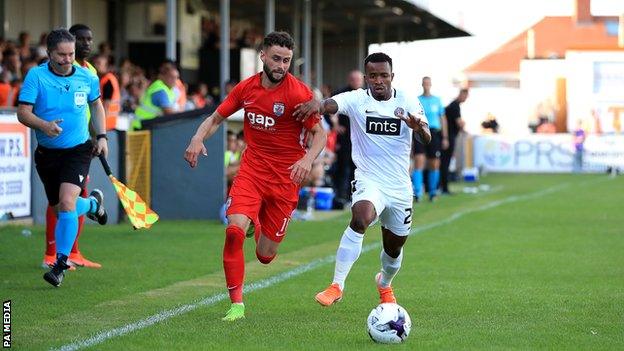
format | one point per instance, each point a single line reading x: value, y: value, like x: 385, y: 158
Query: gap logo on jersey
x: 383, y: 126
x: 259, y: 121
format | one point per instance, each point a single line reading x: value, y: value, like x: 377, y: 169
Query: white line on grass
x: 211, y: 300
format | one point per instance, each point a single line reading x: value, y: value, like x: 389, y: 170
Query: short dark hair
x: 378, y: 57
x: 278, y: 38
x: 58, y: 36
x: 78, y: 27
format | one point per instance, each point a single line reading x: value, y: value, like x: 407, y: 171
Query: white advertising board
x: 15, y: 155
x: 546, y: 153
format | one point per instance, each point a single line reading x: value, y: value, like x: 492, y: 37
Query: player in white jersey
x: 382, y: 121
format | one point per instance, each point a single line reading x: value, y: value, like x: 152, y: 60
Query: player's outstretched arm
x: 306, y: 109
x: 301, y: 169
x: 418, y: 125
x: 208, y: 127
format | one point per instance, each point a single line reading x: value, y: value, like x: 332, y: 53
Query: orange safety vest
x: 181, y: 99
x: 114, y: 105
x: 8, y: 95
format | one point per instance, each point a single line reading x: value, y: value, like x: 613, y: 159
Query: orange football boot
x: 386, y: 295
x: 79, y: 260
x: 330, y: 295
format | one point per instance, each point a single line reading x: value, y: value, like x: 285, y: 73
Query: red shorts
x: 268, y: 205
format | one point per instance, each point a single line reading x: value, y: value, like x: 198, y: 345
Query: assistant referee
x: 53, y: 101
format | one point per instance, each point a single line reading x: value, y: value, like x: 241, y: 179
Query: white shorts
x: 393, y: 208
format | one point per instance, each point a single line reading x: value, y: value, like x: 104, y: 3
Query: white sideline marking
x: 211, y: 300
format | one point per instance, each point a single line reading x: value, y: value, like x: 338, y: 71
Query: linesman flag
x: 139, y: 214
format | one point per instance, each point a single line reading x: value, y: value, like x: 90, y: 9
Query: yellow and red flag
x: 138, y: 213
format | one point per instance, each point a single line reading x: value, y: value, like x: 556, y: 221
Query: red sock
x: 75, y: 249
x: 234, y: 262
x: 50, y: 227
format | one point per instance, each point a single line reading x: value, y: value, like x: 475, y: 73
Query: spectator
x: 579, y: 141
x: 12, y: 63
x: 24, y: 49
x: 344, y: 168
x: 199, y: 96
x: 545, y: 126
x: 104, y: 49
x: 159, y: 99
x: 8, y: 93
x: 232, y: 157
x: 490, y: 125
x: 132, y: 96
x: 109, y: 88
x: 41, y: 51
x: 455, y: 124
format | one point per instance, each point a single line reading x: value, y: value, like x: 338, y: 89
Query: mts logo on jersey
x: 257, y: 120
x: 383, y: 126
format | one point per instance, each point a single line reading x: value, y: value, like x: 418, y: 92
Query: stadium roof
x: 384, y: 20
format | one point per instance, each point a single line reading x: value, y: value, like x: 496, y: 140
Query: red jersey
x: 275, y: 140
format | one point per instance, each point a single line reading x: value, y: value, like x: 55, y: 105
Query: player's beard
x: 269, y: 74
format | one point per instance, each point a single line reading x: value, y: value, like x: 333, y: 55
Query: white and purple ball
x: 389, y: 323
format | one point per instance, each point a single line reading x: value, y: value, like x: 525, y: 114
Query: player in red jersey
x: 265, y: 190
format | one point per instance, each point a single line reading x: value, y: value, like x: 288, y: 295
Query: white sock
x: 348, y: 252
x: 389, y: 267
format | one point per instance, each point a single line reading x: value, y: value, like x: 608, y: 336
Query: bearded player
x: 265, y: 190
x: 382, y: 122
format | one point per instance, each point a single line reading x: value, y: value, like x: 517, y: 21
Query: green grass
x: 535, y: 263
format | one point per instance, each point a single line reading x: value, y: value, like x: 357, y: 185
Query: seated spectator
x: 159, y: 99
x: 8, y: 93
x: 199, y: 96
x: 133, y: 93
x: 546, y: 126
x: 490, y: 125
x: 12, y: 63
x: 24, y: 49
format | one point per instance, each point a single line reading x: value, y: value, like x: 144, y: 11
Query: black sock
x: 61, y: 261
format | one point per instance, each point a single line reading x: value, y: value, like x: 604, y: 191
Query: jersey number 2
x: 408, y: 217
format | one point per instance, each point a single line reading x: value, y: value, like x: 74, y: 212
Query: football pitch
x: 534, y: 262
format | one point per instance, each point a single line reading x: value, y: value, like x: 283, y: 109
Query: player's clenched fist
x: 193, y: 150
x: 52, y: 128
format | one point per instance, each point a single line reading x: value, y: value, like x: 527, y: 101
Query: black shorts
x: 56, y: 166
x: 433, y: 149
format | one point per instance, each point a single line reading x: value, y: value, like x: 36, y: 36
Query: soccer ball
x: 389, y: 323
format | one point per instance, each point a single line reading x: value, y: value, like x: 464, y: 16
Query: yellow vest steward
x: 147, y: 109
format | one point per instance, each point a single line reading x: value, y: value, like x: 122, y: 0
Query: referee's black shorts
x: 433, y: 149
x: 56, y: 166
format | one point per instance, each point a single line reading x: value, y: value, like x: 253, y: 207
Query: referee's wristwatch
x: 100, y: 136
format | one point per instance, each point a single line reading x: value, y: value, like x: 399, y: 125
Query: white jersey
x: 381, y: 142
